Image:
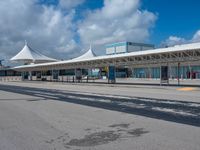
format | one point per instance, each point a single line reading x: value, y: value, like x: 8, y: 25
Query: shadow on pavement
x: 164, y: 109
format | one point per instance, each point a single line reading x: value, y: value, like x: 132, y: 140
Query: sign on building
x: 111, y: 74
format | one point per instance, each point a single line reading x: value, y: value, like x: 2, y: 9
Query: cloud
x: 44, y: 27
x: 117, y: 21
x: 56, y: 31
x: 174, y: 40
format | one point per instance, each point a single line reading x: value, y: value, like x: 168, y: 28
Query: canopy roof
x: 89, y: 54
x: 28, y: 55
x: 178, y: 53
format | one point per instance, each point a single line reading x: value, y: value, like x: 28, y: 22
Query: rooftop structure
x: 89, y: 54
x: 125, y: 47
x: 181, y: 53
x: 27, y: 55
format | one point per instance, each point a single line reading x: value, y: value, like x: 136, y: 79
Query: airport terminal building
x: 187, y: 71
x: 125, y: 59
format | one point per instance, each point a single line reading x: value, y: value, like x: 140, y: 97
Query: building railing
x: 10, y: 78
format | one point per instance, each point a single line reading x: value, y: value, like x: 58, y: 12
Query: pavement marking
x: 186, y: 89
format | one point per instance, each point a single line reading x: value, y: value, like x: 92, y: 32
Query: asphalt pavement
x: 35, y: 115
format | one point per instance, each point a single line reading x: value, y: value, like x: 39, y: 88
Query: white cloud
x: 117, y: 21
x: 174, y: 40
x: 45, y: 28
x: 120, y: 8
x: 55, y: 32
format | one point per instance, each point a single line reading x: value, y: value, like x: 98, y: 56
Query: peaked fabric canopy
x: 28, y: 55
x: 89, y: 54
x: 187, y: 53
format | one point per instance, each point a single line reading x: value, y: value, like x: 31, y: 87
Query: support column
x: 149, y: 72
x: 58, y: 74
x: 30, y: 76
x: 52, y: 75
x: 132, y: 72
x: 42, y: 75
x: 170, y: 71
x: 160, y: 75
x: 168, y: 75
x: 62, y: 75
x: 190, y: 71
x: 178, y: 74
x: 74, y: 77
x: 45, y: 75
x: 22, y: 75
x: 88, y: 74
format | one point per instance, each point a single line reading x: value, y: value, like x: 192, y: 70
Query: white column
x: 190, y: 71
x: 30, y: 76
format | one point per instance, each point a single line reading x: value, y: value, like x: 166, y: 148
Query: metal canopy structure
x: 187, y: 53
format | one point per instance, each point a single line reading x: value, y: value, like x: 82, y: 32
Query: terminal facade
x: 122, y: 52
x: 186, y: 71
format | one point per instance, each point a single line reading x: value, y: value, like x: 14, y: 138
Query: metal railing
x: 10, y: 78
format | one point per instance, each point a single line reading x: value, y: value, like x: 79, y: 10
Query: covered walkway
x: 179, y: 55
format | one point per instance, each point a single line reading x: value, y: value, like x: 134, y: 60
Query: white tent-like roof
x: 89, y: 54
x: 178, y: 53
x: 28, y: 55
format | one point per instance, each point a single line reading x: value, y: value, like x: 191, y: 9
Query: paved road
x: 64, y: 116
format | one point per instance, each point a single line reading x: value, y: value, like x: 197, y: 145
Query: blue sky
x: 65, y: 28
x: 175, y: 17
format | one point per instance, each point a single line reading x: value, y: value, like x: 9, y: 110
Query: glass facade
x: 185, y: 72
x: 146, y: 72
x: 124, y: 47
